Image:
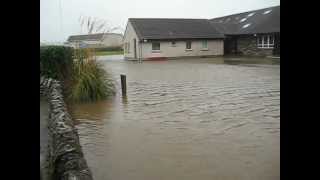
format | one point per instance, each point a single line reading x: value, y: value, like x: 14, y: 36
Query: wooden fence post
x: 123, y: 84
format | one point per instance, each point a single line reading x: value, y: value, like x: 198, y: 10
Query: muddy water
x: 186, y: 119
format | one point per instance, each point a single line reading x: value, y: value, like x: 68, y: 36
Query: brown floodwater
x: 215, y: 118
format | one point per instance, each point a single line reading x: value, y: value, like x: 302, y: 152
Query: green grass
x: 106, y: 53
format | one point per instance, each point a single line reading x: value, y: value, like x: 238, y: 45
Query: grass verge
x: 107, y: 53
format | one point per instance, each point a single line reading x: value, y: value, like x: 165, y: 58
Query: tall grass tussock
x: 90, y: 81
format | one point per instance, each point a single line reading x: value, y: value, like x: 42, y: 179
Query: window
x: 267, y: 12
x: 173, y: 43
x: 251, y: 14
x: 205, y: 44
x: 188, y: 45
x: 155, y: 46
x: 271, y: 39
x: 246, y: 25
x: 243, y: 19
x: 260, y: 41
x: 266, y: 41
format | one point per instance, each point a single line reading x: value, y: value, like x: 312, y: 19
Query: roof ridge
x: 180, y: 26
x: 95, y: 34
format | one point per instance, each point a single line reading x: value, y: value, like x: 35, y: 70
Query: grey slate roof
x: 88, y: 37
x: 265, y: 20
x: 166, y: 29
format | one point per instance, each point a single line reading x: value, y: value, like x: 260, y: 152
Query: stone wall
x: 65, y: 155
x: 44, y: 140
x: 247, y: 45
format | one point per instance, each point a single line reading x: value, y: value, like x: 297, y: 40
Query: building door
x: 135, y: 48
x: 276, y: 48
x: 230, y: 45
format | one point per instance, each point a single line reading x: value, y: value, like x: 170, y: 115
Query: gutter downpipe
x: 140, y: 51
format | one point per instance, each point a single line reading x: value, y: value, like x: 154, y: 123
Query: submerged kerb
x: 65, y: 154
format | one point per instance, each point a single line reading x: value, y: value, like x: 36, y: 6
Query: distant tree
x: 93, y: 25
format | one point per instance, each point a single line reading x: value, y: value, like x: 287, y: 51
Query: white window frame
x: 155, y: 50
x: 265, y: 45
x: 204, y: 42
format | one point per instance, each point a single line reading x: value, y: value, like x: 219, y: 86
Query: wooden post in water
x: 123, y: 85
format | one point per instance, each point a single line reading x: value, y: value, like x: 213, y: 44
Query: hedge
x: 56, y: 62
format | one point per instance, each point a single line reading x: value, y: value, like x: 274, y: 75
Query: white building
x: 149, y: 38
x: 99, y: 40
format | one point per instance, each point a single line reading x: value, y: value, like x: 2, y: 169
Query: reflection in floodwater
x: 189, y: 119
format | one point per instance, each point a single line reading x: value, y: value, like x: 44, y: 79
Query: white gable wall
x: 129, y: 37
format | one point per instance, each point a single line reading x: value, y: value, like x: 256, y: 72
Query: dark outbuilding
x: 251, y: 33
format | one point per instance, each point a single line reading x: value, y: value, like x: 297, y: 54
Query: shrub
x: 56, y: 62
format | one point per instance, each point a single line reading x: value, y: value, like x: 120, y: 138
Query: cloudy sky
x: 60, y: 18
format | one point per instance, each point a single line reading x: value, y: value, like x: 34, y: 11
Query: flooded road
x: 215, y: 118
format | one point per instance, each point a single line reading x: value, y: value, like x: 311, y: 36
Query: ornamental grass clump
x: 90, y: 81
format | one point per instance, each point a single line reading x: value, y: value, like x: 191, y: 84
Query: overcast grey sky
x: 117, y: 12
